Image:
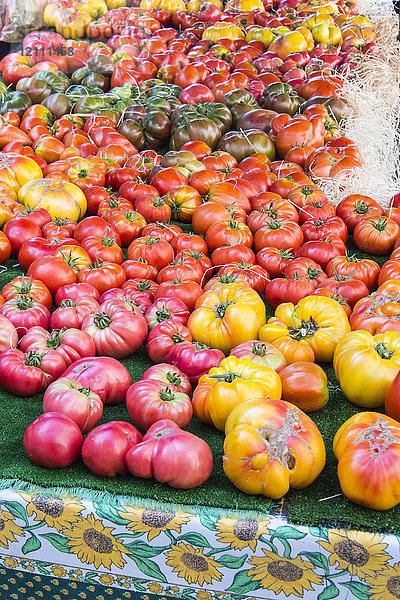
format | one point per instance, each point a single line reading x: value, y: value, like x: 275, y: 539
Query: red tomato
x: 166, y: 179
x: 273, y: 260
x: 53, y: 440
x: 28, y: 374
x: 187, y: 291
x: 278, y: 234
x: 156, y: 251
x: 20, y: 230
x: 104, y: 449
x: 102, y: 275
x: 178, y: 458
x: 364, y: 269
x: 164, y: 309
x: 163, y: 337
x: 376, y: 235
x: 355, y: 208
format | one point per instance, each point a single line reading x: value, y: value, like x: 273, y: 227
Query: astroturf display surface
x: 308, y: 506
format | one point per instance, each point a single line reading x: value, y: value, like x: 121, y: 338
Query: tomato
x: 348, y: 287
x: 272, y: 209
x: 228, y: 233
x: 364, y: 269
x: 213, y: 212
x: 166, y: 231
x: 18, y: 231
x: 163, y: 337
x: 95, y: 226
x: 24, y: 313
x: 142, y: 286
x: 278, y: 233
x: 116, y: 332
x: 228, y: 317
x: 102, y: 275
x: 103, y: 248
x: 288, y: 289
x: 105, y: 448
x: 254, y: 275
x: 149, y: 401
x: 360, y: 353
x: 188, y: 291
x: 229, y: 254
x: 274, y: 260
x: 228, y: 194
x: 8, y: 335
x: 74, y: 292
x: 172, y: 456
x: 108, y: 206
x: 139, y: 269
x: 60, y: 199
x: 15, y: 171
x: 170, y: 375
x: 257, y: 463
x: 59, y: 229
x: 71, y: 313
x: 320, y: 228
x: 164, y: 309
x: 85, y: 173
x: 322, y: 251
x: 166, y: 179
x: 156, y: 251
x: 355, y: 208
x: 194, y: 359
x: 53, y: 440
x: 367, y: 448
x: 304, y: 384
x: 261, y: 354
x: 310, y: 331
x: 376, y: 235
x: 53, y: 271
x: 69, y: 397
x: 72, y: 344
x: 28, y: 374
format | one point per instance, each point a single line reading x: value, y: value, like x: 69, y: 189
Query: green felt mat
x: 301, y: 506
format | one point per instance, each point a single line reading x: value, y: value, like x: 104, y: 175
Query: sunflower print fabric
x: 94, y: 551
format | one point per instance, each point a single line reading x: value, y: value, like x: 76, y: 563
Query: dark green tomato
x: 121, y: 105
x: 238, y: 110
x: 78, y: 76
x: 59, y: 82
x: 101, y: 64
x: 202, y: 130
x: 281, y: 98
x: 156, y: 126
x: 110, y: 113
x: 58, y: 104
x: 135, y: 112
x: 239, y: 97
x: 97, y: 80
x: 245, y: 143
x: 259, y: 118
x: 165, y: 90
x: 36, y: 89
x: 337, y: 107
x: 133, y: 132
x: 167, y: 106
x: 17, y: 102
x: 91, y: 104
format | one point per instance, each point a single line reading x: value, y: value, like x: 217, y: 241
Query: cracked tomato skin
x: 359, y: 355
x: 270, y: 446
x: 367, y: 447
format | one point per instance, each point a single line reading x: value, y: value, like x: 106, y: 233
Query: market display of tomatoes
x: 160, y: 188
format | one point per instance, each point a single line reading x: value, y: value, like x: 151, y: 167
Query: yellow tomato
x: 60, y: 198
x: 115, y: 3
x: 17, y: 170
x: 365, y: 366
x: 271, y: 445
x: 245, y: 5
x: 261, y: 34
x: 223, y: 30
x: 235, y: 380
x: 317, y: 19
x: 312, y: 328
x: 326, y: 34
x: 171, y: 5
x: 288, y: 43
x: 227, y: 317
x: 72, y: 24
x: 319, y: 6
x: 94, y: 8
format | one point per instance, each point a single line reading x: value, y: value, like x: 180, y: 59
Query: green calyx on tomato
x: 163, y: 314
x: 54, y: 340
x: 177, y: 338
x: 24, y: 288
x: 67, y: 303
x: 143, y: 285
x: 108, y: 241
x: 33, y: 359
x: 174, y: 378
x: 361, y: 207
x: 259, y: 349
x: 380, y: 224
x: 96, y: 264
x: 384, y: 351
x: 167, y: 395
x: 220, y: 309
x: 102, y: 320
x: 304, y: 330
x: 24, y: 302
x: 226, y: 377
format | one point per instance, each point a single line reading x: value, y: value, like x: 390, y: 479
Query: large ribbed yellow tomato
x: 271, y: 445
x: 223, y: 30
x: 60, y: 198
x: 17, y: 170
x: 235, y: 380
x: 367, y: 447
x: 171, y: 5
x: 308, y: 331
x: 365, y: 366
x: 228, y: 317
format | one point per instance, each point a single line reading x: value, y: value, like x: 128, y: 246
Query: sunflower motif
x: 240, y: 534
x: 361, y: 553
x: 106, y: 579
x: 94, y: 544
x: 287, y: 575
x: 8, y: 529
x: 385, y: 585
x: 192, y: 565
x: 153, y: 522
x: 10, y: 562
x: 56, y: 512
x: 154, y: 588
x: 58, y: 571
x: 203, y: 595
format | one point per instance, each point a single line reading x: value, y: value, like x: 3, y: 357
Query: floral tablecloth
x: 59, y: 547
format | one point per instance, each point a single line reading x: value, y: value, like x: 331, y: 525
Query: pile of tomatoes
x: 160, y: 188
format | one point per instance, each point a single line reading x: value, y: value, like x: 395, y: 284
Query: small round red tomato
x: 376, y: 235
x: 105, y: 448
x: 188, y: 291
x: 102, y: 275
x: 20, y: 230
x: 156, y: 251
x: 279, y: 234
x: 189, y: 241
